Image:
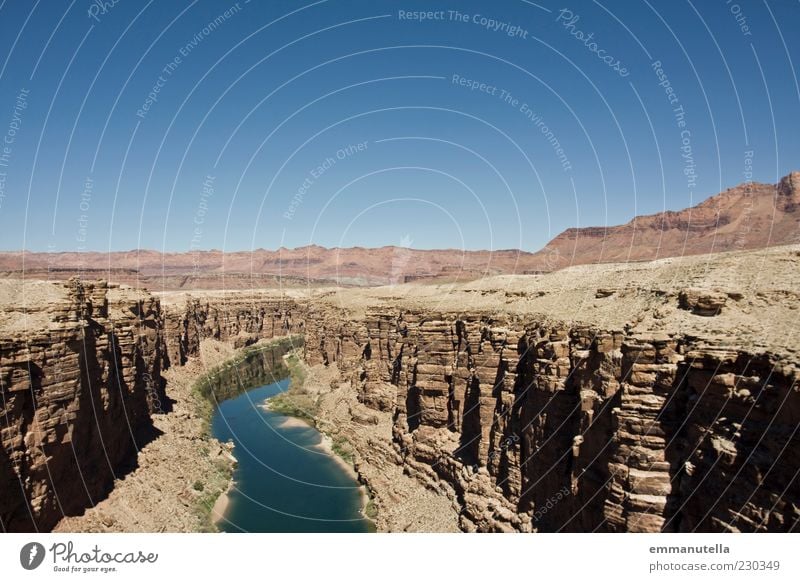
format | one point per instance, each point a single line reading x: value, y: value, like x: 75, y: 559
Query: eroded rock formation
x: 655, y: 432
x: 80, y: 377
x: 653, y: 397
x: 240, y: 320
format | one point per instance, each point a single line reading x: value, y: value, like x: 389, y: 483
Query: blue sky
x: 349, y: 123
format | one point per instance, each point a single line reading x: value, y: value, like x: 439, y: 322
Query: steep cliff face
x: 240, y: 320
x: 737, y: 439
x: 80, y: 376
x: 79, y: 379
x: 533, y: 425
x: 253, y: 367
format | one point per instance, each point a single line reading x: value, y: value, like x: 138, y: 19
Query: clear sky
x: 478, y: 125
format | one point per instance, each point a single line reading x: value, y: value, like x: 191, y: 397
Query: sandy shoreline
x: 221, y: 503
x: 292, y: 421
x: 326, y: 446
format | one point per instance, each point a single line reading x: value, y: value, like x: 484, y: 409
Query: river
x: 284, y: 481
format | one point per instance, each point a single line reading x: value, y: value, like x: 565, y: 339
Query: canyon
x: 632, y: 397
x: 653, y: 394
x: 647, y: 396
x: 82, y: 375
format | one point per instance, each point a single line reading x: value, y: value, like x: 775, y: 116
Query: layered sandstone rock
x: 748, y: 216
x: 80, y: 375
x: 702, y: 301
x: 240, y: 319
x: 645, y: 432
x: 656, y: 418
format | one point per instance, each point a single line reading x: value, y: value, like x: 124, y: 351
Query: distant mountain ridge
x: 748, y: 216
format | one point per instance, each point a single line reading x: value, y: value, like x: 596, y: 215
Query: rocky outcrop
x: 532, y: 425
x: 77, y: 394
x: 789, y: 192
x: 702, y: 301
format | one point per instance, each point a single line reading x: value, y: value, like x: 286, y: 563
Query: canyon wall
x: 251, y: 368
x: 525, y: 422
x: 533, y: 425
x: 80, y: 377
x: 78, y: 384
x: 240, y: 320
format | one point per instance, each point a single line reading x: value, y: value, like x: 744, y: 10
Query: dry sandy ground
x: 762, y: 311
